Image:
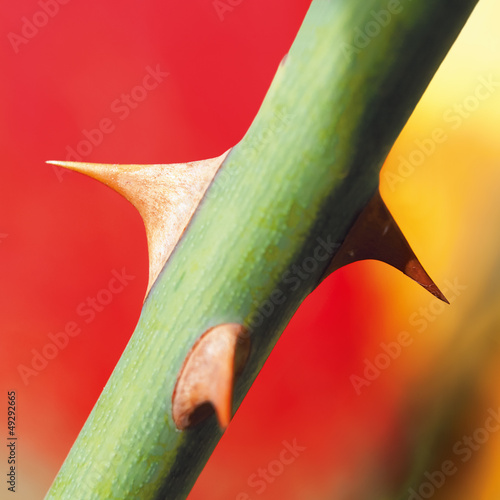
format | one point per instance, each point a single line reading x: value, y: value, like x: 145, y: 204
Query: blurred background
x: 381, y: 391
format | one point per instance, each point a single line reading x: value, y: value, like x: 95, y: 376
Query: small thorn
x: 166, y: 197
x: 206, y: 380
x: 376, y: 235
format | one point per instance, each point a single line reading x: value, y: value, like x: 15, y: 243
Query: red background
x: 62, y: 234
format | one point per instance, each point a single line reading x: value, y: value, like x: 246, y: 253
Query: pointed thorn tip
x: 376, y: 235
x: 61, y: 163
x: 206, y: 380
x: 166, y: 197
x: 436, y: 292
x: 223, y: 417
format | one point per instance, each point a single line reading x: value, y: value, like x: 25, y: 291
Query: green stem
x: 299, y: 178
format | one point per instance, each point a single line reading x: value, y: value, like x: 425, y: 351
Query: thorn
x: 206, y: 380
x: 376, y: 235
x: 166, y: 197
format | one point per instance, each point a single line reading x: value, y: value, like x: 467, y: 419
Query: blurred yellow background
x: 442, y: 183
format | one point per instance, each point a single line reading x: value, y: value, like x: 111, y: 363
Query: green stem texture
x: 295, y: 184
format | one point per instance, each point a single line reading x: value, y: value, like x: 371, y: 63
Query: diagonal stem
x: 333, y: 112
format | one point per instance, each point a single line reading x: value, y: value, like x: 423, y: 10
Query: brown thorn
x: 206, y: 379
x: 376, y: 235
x: 166, y: 197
